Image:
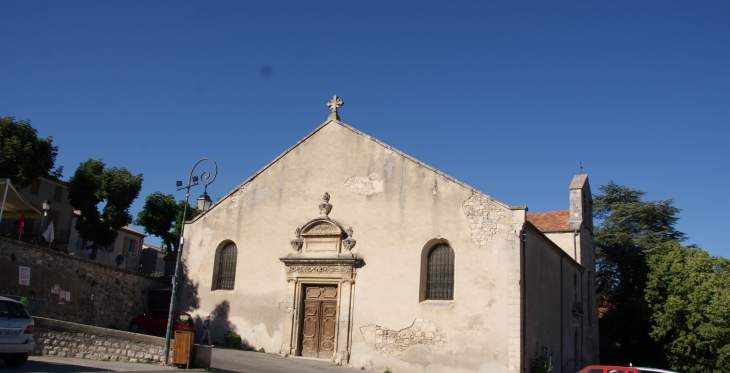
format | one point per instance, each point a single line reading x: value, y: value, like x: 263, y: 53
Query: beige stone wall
x: 552, y: 285
x: 396, y: 206
x: 565, y: 240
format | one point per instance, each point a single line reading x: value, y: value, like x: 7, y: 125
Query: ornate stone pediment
x: 322, y: 237
x: 321, y: 227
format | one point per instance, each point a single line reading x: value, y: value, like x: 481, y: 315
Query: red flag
x: 20, y: 228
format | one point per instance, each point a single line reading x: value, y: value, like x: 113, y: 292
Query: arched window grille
x: 440, y: 279
x: 227, y: 268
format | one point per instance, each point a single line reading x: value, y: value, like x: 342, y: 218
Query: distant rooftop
x: 148, y: 246
x: 552, y: 221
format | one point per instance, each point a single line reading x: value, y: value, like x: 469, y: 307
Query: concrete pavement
x: 62, y: 364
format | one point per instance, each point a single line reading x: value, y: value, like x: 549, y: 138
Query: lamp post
x: 46, y: 206
x: 203, y: 204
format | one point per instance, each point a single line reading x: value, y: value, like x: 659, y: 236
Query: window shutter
x: 35, y: 187
x: 58, y: 193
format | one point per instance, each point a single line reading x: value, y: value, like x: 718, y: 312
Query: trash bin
x: 183, y: 348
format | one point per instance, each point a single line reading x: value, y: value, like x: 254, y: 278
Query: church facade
x: 347, y: 249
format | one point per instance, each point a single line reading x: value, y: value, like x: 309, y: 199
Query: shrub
x: 542, y: 362
x: 231, y: 339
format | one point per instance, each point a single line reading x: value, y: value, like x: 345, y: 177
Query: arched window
x: 440, y: 273
x: 226, y: 277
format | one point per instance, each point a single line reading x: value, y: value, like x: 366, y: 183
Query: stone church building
x: 345, y: 248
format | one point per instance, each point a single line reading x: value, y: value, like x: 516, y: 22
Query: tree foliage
x: 23, y: 156
x: 628, y: 229
x: 162, y: 216
x: 688, y: 292
x: 113, y: 189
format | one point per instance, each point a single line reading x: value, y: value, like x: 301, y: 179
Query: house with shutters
x: 345, y: 248
x: 124, y: 252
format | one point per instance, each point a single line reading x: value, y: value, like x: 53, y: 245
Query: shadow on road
x: 42, y: 366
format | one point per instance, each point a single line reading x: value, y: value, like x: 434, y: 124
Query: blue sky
x: 507, y: 97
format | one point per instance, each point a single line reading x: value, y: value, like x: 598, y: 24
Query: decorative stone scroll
x: 296, y: 244
x: 349, y: 242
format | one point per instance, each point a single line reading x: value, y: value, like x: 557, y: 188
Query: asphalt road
x: 225, y: 361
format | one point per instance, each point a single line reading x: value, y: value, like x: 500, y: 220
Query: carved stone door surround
x: 321, y: 257
x: 300, y: 273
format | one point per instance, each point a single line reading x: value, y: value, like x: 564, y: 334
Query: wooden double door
x: 319, y: 321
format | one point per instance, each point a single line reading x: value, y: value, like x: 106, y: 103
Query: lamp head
x: 46, y: 205
x: 204, y: 202
x: 178, y: 183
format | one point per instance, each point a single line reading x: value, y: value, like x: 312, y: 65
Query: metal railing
x: 35, y: 306
x: 60, y: 235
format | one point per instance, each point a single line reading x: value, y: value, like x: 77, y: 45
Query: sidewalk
x: 61, y: 364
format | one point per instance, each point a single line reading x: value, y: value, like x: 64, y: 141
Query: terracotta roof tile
x: 132, y: 230
x: 146, y: 246
x: 550, y: 221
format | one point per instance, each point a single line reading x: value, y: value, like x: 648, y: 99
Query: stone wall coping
x: 46, y: 250
x: 74, y: 327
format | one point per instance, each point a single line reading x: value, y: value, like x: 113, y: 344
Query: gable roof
x: 131, y: 230
x: 394, y: 150
x: 552, y: 221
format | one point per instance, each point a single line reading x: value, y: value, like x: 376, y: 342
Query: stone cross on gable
x: 335, y: 103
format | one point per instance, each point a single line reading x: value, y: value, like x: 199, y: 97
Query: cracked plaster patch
x: 485, y: 218
x: 237, y: 197
x: 394, y: 343
x: 246, y: 196
x: 364, y: 185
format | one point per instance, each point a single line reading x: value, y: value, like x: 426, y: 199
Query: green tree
x: 688, y: 292
x: 628, y: 229
x: 24, y: 156
x: 113, y: 189
x: 162, y: 216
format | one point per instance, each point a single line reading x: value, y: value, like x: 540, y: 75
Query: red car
x: 155, y: 322
x: 614, y: 369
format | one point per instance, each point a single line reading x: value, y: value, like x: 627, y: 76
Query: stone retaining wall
x: 67, y: 339
x: 66, y: 282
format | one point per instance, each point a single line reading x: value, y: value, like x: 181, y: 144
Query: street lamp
x: 204, y: 203
x: 46, y: 206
